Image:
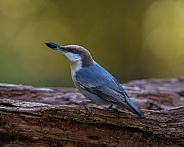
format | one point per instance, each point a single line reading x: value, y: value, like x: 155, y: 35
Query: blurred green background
x: 131, y: 39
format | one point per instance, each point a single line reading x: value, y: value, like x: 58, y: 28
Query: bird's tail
x: 131, y: 106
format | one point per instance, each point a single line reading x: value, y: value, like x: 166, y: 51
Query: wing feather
x: 100, y: 82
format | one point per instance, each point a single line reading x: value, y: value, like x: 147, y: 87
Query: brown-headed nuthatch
x: 93, y: 81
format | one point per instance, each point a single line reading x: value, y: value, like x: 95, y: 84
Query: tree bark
x: 44, y: 117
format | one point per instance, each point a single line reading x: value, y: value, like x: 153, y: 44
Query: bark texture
x: 44, y: 117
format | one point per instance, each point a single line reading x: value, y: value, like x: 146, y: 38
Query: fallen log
x: 32, y: 116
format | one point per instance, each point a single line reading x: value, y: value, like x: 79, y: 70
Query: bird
x: 93, y: 81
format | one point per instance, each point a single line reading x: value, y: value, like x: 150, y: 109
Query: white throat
x: 75, y: 61
x: 75, y: 66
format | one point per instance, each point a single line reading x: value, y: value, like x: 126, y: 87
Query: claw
x: 88, y: 110
x: 110, y: 107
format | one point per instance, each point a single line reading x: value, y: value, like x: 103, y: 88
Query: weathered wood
x: 47, y: 117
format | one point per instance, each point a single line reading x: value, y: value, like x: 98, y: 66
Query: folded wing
x: 105, y: 86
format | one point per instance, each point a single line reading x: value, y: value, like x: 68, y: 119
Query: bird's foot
x: 88, y: 110
x: 110, y: 107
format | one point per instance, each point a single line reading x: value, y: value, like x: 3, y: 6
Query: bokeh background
x: 131, y: 39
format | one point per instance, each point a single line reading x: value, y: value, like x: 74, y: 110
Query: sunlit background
x: 131, y: 39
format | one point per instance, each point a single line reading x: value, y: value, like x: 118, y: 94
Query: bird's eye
x: 71, y: 50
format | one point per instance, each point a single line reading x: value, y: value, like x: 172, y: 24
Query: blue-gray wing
x: 98, y: 81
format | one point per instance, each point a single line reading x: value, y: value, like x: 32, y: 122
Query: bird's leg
x: 114, y: 109
x: 88, y: 110
x: 109, y: 107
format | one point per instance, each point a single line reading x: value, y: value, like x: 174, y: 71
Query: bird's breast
x: 75, y: 66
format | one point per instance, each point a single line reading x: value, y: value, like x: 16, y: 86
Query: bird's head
x: 74, y: 53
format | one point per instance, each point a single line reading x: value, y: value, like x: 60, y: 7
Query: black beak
x: 53, y: 45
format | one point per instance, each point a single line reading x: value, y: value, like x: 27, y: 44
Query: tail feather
x: 131, y: 106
